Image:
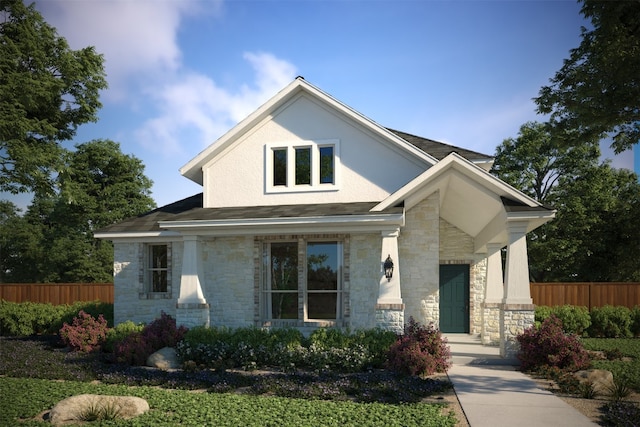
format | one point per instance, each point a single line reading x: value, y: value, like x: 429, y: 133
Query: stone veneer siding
x: 419, y: 261
x: 514, y: 319
x: 364, y: 279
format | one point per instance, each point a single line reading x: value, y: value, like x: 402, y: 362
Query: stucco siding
x: 419, y: 264
x: 364, y: 159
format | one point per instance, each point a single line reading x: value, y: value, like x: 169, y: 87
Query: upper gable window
x: 303, y: 166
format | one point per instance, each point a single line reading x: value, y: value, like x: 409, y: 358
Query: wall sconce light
x: 388, y: 268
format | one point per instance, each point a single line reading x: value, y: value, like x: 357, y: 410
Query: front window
x: 158, y: 263
x: 312, y: 293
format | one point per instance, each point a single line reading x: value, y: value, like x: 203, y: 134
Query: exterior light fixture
x: 388, y: 268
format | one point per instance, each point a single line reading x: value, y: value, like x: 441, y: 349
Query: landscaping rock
x: 83, y: 406
x: 165, y: 358
x: 602, y: 380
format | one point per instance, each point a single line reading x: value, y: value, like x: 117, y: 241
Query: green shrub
x: 575, y: 319
x: 542, y: 312
x: 85, y: 334
x: 610, y: 322
x: 421, y: 350
x: 119, y: 333
x: 549, y: 345
x: 29, y: 318
x: 635, y: 321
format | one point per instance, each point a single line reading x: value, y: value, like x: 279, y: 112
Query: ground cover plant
x: 30, y: 397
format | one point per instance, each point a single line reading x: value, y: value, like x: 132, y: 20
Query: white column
x: 495, y: 285
x: 190, y: 288
x: 389, y: 291
x: 516, y: 289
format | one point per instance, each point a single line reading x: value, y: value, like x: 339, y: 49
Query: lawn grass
x: 23, y: 399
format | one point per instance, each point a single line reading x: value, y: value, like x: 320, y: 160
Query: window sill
x: 155, y: 295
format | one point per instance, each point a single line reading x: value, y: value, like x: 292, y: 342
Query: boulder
x: 602, y: 380
x: 165, y: 358
x: 85, y: 407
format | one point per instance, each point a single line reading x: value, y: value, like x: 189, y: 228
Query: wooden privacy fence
x: 587, y: 294
x: 56, y: 293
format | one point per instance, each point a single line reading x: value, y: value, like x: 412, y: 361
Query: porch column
x: 192, y: 308
x: 517, y: 310
x: 494, y: 292
x: 389, y: 307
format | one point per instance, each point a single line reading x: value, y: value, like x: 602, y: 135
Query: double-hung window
x: 157, y: 268
x: 303, y: 166
x: 302, y: 280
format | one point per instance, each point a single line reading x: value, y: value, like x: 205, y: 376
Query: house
x: 313, y: 215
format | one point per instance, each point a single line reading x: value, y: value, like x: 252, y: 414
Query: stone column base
x: 490, y: 334
x: 514, y: 319
x: 390, y: 317
x: 192, y: 314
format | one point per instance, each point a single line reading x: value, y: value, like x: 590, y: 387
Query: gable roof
x: 440, y: 150
x: 193, y: 169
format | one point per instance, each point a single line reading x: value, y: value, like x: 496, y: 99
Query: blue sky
x: 183, y: 72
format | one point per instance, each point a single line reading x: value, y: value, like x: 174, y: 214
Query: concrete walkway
x: 493, y: 394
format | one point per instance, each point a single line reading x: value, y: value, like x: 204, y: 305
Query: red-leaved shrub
x: 421, y: 350
x: 137, y: 347
x: 86, y: 333
x: 549, y: 345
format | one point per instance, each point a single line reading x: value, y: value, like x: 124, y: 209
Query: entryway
x: 454, y: 298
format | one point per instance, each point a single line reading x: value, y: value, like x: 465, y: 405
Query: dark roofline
x: 438, y: 149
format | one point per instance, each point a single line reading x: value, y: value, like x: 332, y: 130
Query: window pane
x: 303, y: 166
x: 280, y: 166
x: 322, y: 266
x: 326, y: 165
x: 159, y: 281
x: 284, y: 305
x: 322, y: 306
x: 284, y: 266
x: 158, y: 256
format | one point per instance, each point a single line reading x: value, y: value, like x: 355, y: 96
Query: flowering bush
x: 86, y: 333
x: 421, y: 350
x: 549, y: 345
x: 136, y: 347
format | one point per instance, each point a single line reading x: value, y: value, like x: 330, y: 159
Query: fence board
x: 587, y: 294
x: 56, y: 293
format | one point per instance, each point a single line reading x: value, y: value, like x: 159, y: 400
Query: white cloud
x: 136, y: 37
x: 195, y: 107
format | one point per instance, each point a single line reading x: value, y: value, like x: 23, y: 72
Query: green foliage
x: 119, y: 333
x: 46, y: 91
x: 28, y: 318
x: 85, y: 334
x: 610, y: 322
x: 421, y: 350
x: 635, y: 321
x: 593, y: 236
x: 550, y: 346
x: 575, y: 320
x: 596, y: 91
x: 30, y: 397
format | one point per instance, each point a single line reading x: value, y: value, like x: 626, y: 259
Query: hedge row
x: 601, y: 322
x: 29, y: 318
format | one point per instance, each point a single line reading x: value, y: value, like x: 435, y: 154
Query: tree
x: 594, y: 236
x: 596, y: 93
x: 46, y: 91
x: 98, y: 185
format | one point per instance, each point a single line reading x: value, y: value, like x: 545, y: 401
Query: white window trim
x: 315, y: 185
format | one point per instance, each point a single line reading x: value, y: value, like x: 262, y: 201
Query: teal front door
x: 454, y: 298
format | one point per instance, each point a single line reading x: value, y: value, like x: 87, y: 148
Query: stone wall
x: 390, y: 317
x: 514, y: 319
x: 364, y: 279
x: 419, y: 264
